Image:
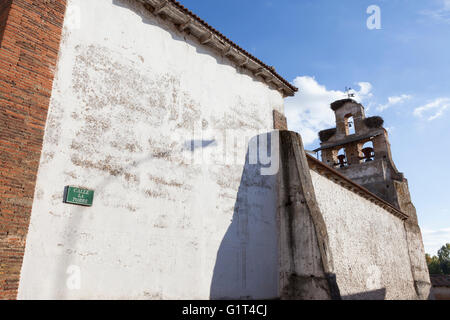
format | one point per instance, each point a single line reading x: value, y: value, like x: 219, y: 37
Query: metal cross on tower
x: 349, y: 93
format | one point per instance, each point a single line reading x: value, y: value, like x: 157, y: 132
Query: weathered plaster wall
x: 368, y: 244
x: 130, y: 99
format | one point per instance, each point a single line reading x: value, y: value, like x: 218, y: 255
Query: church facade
x: 197, y: 190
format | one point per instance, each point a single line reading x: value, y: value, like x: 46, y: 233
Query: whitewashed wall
x: 368, y: 244
x: 129, y: 94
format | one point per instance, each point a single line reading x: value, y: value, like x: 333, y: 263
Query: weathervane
x: 349, y: 93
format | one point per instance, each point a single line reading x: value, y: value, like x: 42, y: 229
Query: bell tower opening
x: 349, y: 125
x: 342, y: 159
x: 368, y: 152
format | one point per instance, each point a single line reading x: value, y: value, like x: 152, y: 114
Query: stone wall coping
x: 337, y: 177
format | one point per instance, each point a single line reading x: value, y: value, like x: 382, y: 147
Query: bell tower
x: 359, y: 148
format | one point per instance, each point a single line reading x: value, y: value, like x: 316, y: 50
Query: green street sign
x: 80, y: 196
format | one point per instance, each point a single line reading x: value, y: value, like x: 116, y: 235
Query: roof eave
x: 188, y: 22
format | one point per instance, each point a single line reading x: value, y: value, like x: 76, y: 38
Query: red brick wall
x: 279, y: 121
x: 4, y: 12
x: 28, y: 55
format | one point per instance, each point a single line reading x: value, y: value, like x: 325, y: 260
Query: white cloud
x: 434, y: 109
x: 392, y: 101
x: 433, y: 240
x: 441, y: 14
x: 390, y: 130
x: 365, y: 90
x: 309, y: 111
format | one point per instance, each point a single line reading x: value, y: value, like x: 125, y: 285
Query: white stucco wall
x: 129, y: 97
x: 368, y: 244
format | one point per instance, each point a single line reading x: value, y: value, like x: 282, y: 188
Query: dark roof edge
x: 329, y: 145
x: 221, y: 42
x: 339, y: 103
x: 323, y: 169
x: 440, y: 280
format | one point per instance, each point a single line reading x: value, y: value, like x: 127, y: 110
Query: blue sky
x: 401, y: 72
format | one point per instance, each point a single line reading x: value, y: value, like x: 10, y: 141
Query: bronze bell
x: 342, y: 161
x: 368, y: 154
